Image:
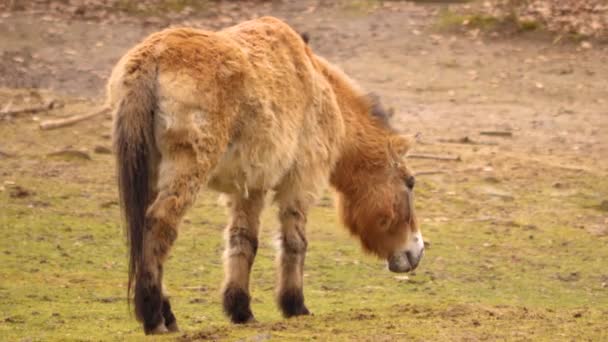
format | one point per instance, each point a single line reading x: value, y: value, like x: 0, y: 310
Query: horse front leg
x: 293, y: 245
x: 241, y: 247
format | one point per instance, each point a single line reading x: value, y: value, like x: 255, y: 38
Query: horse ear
x: 399, y: 145
x: 305, y: 37
x: 377, y: 110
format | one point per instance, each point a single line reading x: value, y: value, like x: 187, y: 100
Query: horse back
x: 254, y: 86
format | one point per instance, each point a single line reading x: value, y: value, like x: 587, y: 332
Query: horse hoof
x: 291, y: 303
x: 295, y: 312
x: 303, y: 311
x: 243, y: 319
x: 160, y: 329
x: 173, y: 327
x: 236, y: 305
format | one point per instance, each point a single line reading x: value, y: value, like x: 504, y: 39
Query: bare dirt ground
x: 526, y: 207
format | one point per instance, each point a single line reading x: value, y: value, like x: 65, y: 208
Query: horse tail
x: 134, y: 145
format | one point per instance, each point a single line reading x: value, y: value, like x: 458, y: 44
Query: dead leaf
x: 20, y: 192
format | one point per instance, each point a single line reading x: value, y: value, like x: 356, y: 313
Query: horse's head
x: 380, y: 210
x: 409, y: 251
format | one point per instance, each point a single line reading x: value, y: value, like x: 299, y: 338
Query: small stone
x: 495, y: 192
x: 402, y: 278
x: 80, y: 10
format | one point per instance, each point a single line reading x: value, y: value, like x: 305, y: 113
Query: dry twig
x: 70, y: 153
x: 497, y: 133
x: 431, y: 156
x: 467, y: 141
x: 428, y: 172
x: 52, y: 104
x: 6, y: 154
x: 52, y: 124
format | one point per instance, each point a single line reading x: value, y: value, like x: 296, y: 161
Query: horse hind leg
x: 241, y: 237
x: 178, y: 183
x: 168, y: 316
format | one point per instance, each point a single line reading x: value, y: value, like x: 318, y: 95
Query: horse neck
x: 364, y: 152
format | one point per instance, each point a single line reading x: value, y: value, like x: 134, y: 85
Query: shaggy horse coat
x: 245, y: 111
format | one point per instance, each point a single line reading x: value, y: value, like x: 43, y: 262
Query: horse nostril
x: 412, y: 259
x: 410, y: 181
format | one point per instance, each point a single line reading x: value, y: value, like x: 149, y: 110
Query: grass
x: 496, y: 269
x: 360, y: 6
x: 451, y: 20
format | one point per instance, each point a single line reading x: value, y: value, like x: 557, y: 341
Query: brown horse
x: 245, y: 111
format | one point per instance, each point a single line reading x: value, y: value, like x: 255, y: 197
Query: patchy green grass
x: 521, y: 268
x: 453, y: 20
x: 360, y: 6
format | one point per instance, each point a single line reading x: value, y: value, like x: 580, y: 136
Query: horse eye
x: 410, y: 181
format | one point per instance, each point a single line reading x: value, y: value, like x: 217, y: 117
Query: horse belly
x: 250, y: 165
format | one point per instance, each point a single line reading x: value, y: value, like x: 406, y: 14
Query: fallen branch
x: 53, y: 124
x: 468, y: 141
x: 53, y: 104
x: 429, y: 172
x: 6, y: 154
x: 497, y: 133
x: 430, y: 156
x: 70, y: 153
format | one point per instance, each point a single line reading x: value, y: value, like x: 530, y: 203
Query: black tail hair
x: 133, y: 146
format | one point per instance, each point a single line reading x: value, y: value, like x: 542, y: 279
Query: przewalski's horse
x: 248, y: 110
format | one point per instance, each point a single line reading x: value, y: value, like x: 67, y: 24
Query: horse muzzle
x: 407, y: 260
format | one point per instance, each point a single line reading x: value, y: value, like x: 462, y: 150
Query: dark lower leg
x: 152, y: 307
x: 154, y: 310
x: 168, y: 316
x: 241, y: 248
x: 148, y: 302
x: 291, y: 261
